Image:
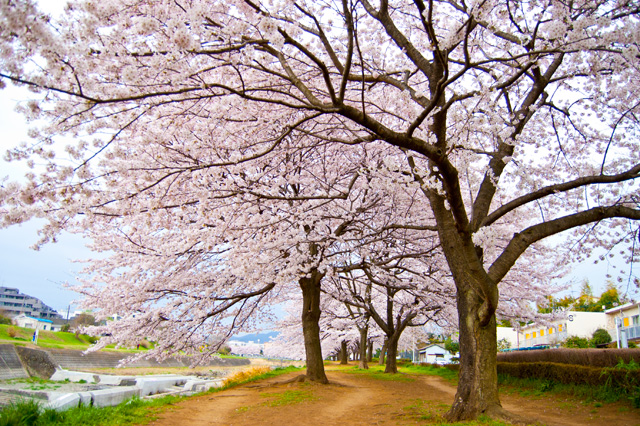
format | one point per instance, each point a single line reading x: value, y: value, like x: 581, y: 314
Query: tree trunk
x: 363, y: 348
x: 310, y: 286
x: 478, y: 379
x: 344, y: 354
x: 383, y: 351
x: 370, y: 352
x: 391, y: 365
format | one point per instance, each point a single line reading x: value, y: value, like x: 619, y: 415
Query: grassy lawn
x: 15, y: 335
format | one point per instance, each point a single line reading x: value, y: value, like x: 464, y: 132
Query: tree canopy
x: 222, y: 152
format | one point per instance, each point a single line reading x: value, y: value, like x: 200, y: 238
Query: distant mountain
x: 262, y: 337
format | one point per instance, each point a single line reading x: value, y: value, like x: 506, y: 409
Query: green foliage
x: 576, y: 342
x: 225, y: 350
x: 5, y: 320
x: 632, y: 345
x: 451, y: 346
x: 65, y: 328
x: 600, y: 337
x: 586, y: 302
x: 610, y: 297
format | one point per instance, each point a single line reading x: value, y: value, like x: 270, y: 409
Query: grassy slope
x: 46, y: 339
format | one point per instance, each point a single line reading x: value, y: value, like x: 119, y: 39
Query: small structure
x: 435, y: 354
x: 25, y: 321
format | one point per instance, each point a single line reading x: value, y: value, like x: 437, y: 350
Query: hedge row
x: 586, y: 357
x: 618, y: 378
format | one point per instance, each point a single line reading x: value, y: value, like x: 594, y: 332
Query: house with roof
x: 435, y: 354
x: 26, y: 321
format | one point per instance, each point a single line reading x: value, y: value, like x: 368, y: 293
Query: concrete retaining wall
x: 20, y: 362
x: 77, y: 360
x: 10, y: 365
x: 37, y: 362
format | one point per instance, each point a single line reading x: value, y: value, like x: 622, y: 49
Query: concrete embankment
x: 82, y: 388
x: 10, y: 364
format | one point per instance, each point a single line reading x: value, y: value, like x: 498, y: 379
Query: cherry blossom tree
x: 517, y: 121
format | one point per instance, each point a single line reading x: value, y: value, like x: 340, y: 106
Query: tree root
x: 495, y: 412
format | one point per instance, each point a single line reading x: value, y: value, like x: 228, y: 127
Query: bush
x: 600, y: 337
x: 590, y: 357
x: 13, y: 332
x: 576, y: 342
x: 65, y: 327
x: 622, y: 377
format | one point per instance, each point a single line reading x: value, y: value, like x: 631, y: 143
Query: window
x: 625, y: 321
x: 527, y: 336
x: 550, y: 330
x: 560, y: 328
x: 541, y: 333
x: 635, y: 320
x: 535, y: 334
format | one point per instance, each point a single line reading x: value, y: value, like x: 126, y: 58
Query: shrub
x: 13, y: 332
x: 576, y: 342
x: 145, y: 343
x: 452, y: 347
x: 590, y: 357
x: 600, y: 337
x: 65, y: 327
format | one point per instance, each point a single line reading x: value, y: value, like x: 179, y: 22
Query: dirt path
x: 359, y: 400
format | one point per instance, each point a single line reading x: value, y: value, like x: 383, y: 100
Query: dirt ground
x: 357, y: 400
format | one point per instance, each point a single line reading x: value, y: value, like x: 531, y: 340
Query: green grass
x: 537, y: 387
x: 133, y: 412
x: 47, y: 339
x: 377, y: 372
x: 431, y: 370
x: 289, y: 397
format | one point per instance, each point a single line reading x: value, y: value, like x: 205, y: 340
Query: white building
x: 580, y: 324
x: 25, y: 321
x: 434, y: 354
x: 629, y: 319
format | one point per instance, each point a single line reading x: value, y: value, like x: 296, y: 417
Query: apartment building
x: 583, y: 324
x: 14, y: 303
